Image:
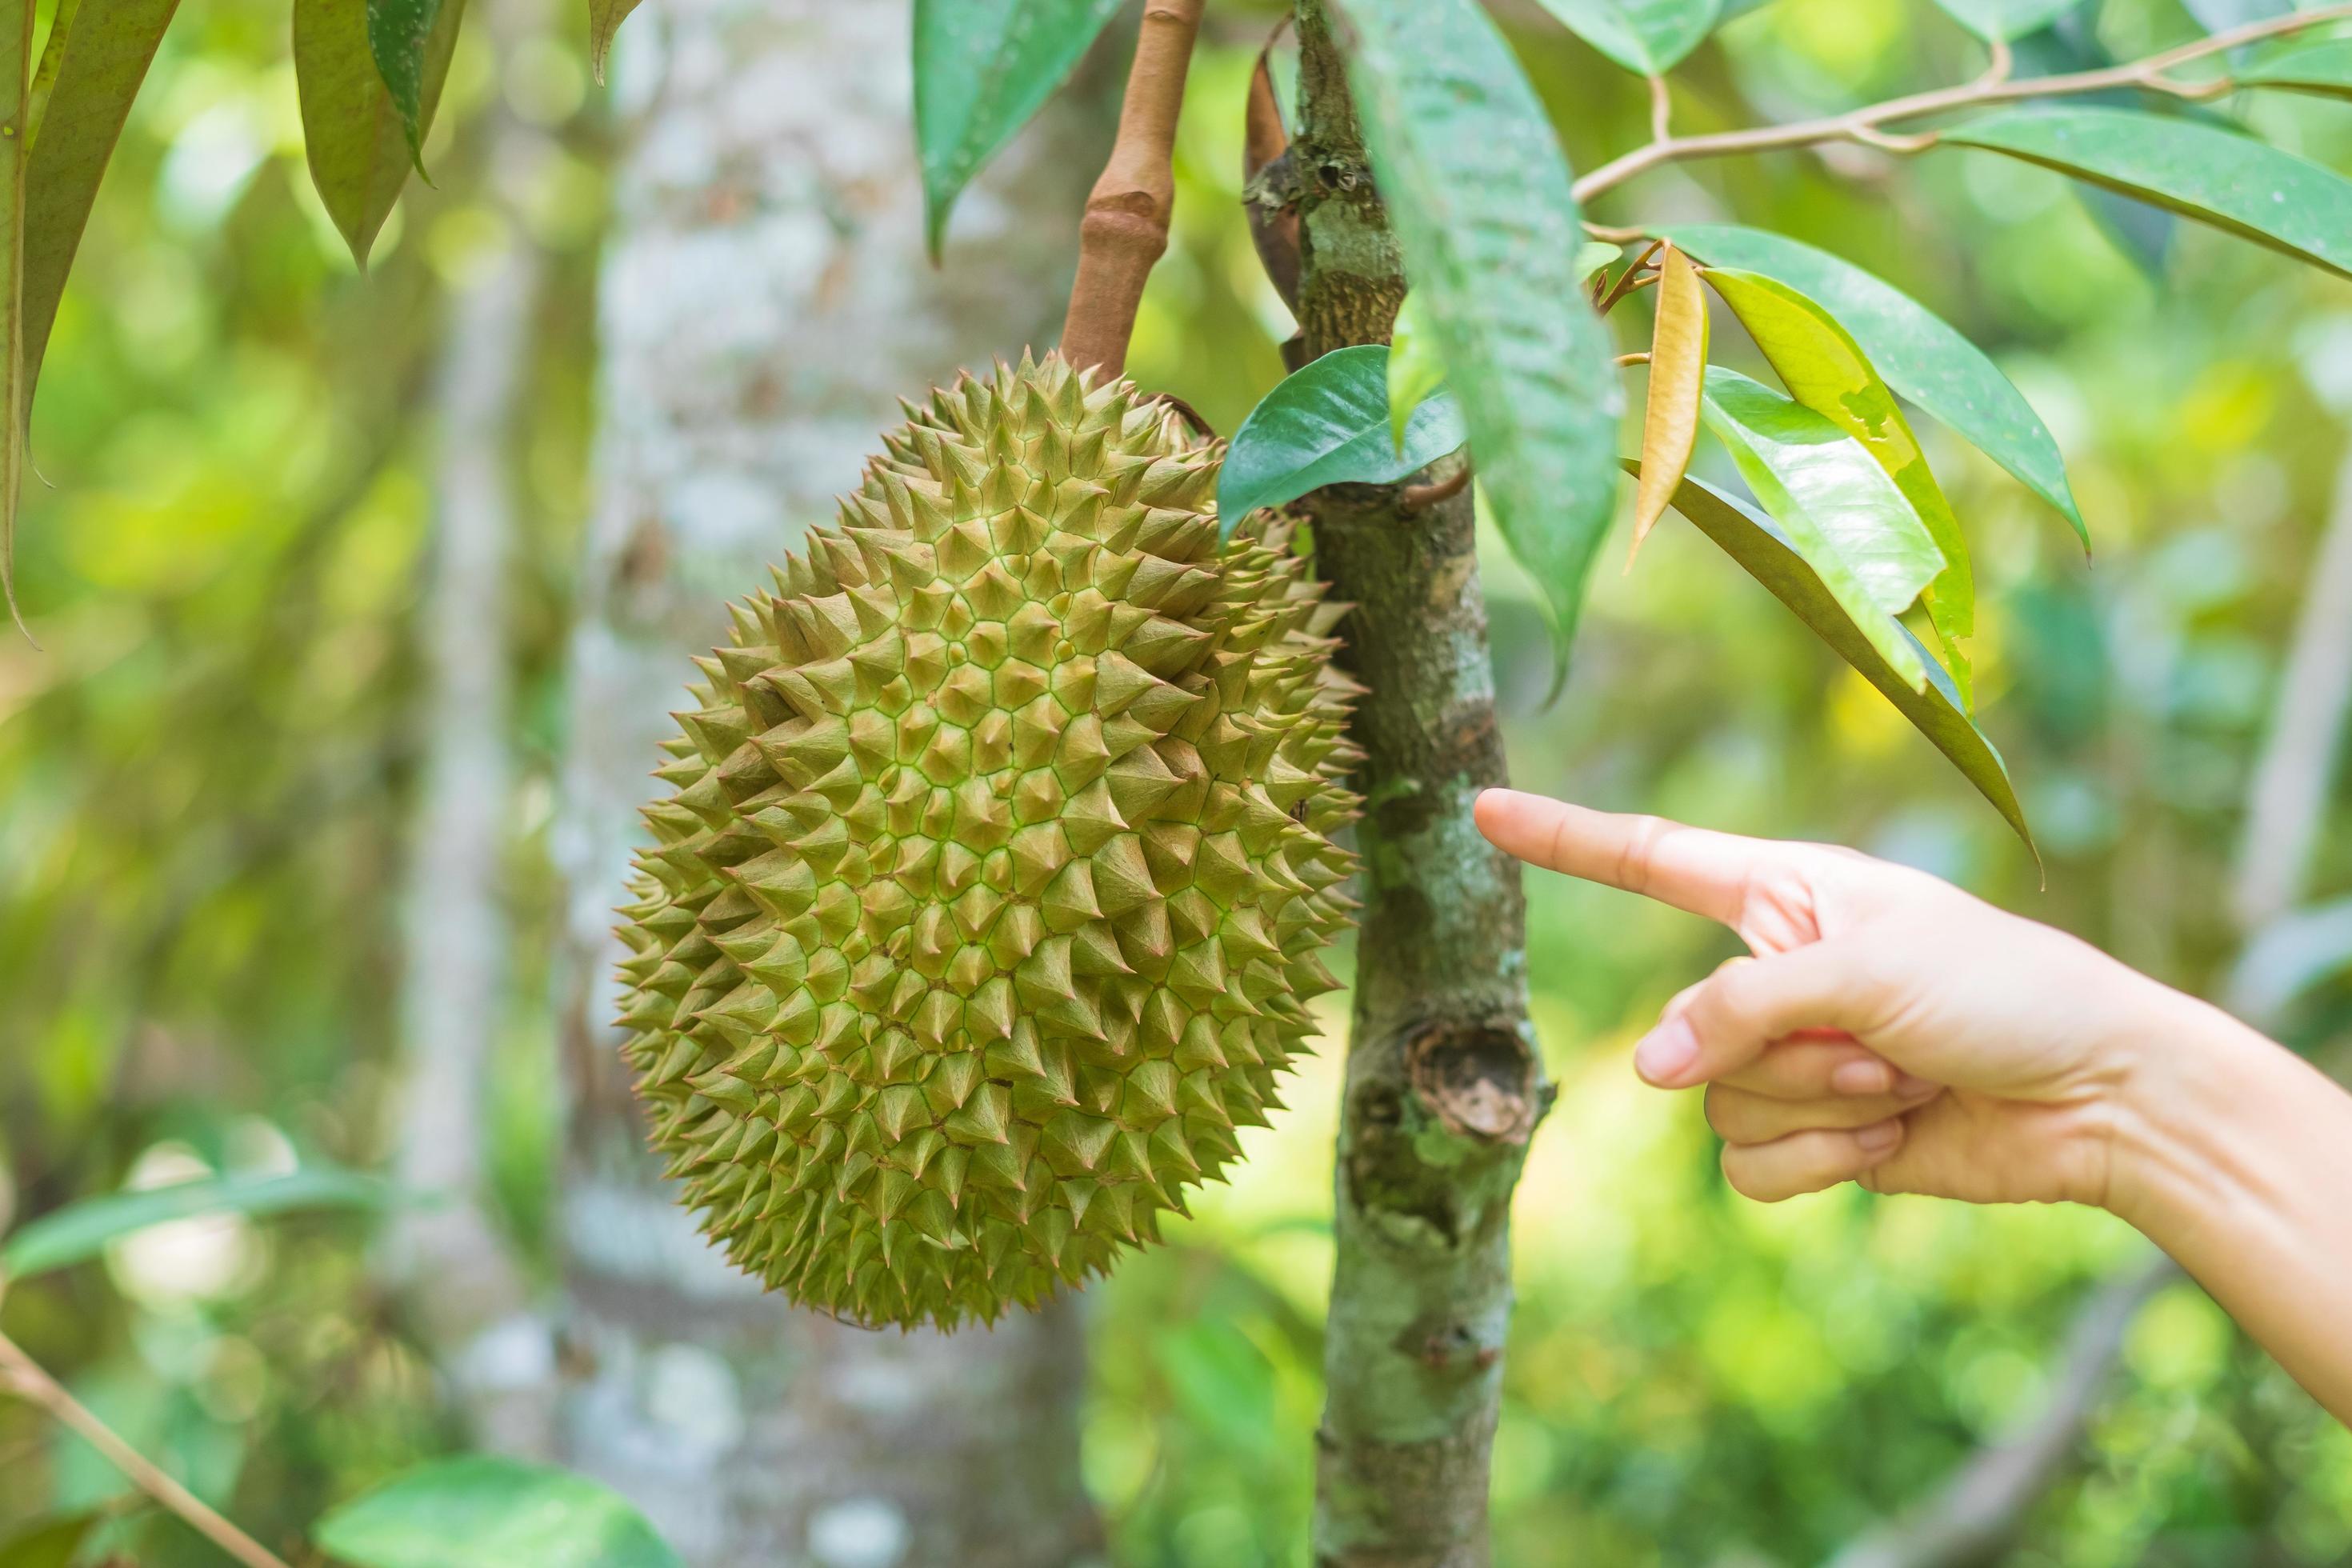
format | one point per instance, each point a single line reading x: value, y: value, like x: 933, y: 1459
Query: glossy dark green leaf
x: 981, y: 68
x: 400, y: 36
x: 90, y: 69
x: 2323, y: 68
x: 1934, y: 708
x: 2006, y: 19
x: 1920, y: 355
x: 1326, y: 424
x: 1650, y: 37
x: 353, y: 131
x: 1479, y: 195
x: 2231, y: 182
x: 481, y: 1512
x: 1836, y: 502
x: 50, y: 1543
x: 81, y: 1231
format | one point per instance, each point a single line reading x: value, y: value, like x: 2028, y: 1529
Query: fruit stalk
x: 1125, y: 225
x: 1444, y: 1084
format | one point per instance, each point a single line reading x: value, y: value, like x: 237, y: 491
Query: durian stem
x: 1125, y: 226
x: 22, y: 1375
x: 1443, y: 1084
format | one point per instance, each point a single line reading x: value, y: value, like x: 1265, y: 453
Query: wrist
x: 2189, y: 1097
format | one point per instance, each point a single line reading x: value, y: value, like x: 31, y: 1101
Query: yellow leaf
x: 1677, y: 375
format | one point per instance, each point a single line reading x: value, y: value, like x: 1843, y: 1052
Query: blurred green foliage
x: 205, y: 776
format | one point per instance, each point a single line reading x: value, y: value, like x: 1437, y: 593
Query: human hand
x: 1891, y: 1029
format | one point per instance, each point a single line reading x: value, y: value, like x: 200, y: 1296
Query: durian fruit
x: 989, y: 899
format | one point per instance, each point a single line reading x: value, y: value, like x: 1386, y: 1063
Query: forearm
x: 2235, y: 1157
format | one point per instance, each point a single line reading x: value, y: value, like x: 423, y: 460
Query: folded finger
x: 1812, y: 1067
x: 1738, y: 1116
x: 1807, y: 1162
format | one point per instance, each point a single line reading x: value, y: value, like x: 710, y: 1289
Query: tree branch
x: 1125, y: 226
x: 1866, y: 125
x: 22, y: 1375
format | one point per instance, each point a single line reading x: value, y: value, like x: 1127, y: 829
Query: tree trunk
x: 764, y: 304
x: 1444, y: 1084
x: 469, y: 1300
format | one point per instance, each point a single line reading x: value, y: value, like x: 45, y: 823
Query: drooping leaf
x: 97, y: 56
x: 1327, y: 422
x: 605, y: 19
x: 1836, y: 504
x: 49, y: 1543
x: 1414, y: 369
x: 482, y: 1512
x: 2006, y: 19
x: 1650, y: 37
x: 353, y: 132
x: 981, y: 68
x: 1934, y: 708
x: 2231, y: 182
x: 1921, y: 356
x: 400, y: 36
x: 1824, y: 369
x: 2323, y: 68
x: 81, y: 1231
x: 1677, y: 375
x: 15, y: 123
x: 1479, y: 195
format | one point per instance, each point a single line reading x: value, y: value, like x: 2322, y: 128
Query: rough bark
x: 764, y: 303
x: 469, y: 1300
x: 1443, y: 1084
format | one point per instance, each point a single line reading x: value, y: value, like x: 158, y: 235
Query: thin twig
x: 22, y: 1375
x: 1642, y: 357
x: 1125, y: 226
x: 1420, y: 498
x: 1856, y: 125
x: 1662, y: 110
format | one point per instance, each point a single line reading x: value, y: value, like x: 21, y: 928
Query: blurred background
x: 326, y: 580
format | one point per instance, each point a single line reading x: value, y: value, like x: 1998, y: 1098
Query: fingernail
x: 1862, y: 1076
x: 1666, y: 1053
x: 1911, y: 1087
x: 1879, y: 1137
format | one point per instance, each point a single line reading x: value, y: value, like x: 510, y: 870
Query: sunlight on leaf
x: 481, y: 1512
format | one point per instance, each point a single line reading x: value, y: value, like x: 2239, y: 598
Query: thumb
x: 1724, y: 1022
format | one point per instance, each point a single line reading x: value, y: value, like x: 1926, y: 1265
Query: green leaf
x: 481, y: 1512
x: 97, y: 56
x: 605, y: 19
x: 1920, y: 355
x: 1824, y: 369
x: 1934, y: 708
x: 1592, y: 256
x: 981, y: 68
x: 400, y: 36
x: 1328, y: 423
x: 1836, y: 503
x: 354, y: 133
x: 1479, y: 195
x: 1414, y: 369
x: 2323, y: 68
x: 49, y: 1543
x: 2006, y: 19
x: 81, y: 1231
x: 2231, y: 182
x: 1649, y: 36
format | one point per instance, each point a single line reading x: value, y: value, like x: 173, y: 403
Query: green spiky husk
x: 989, y: 895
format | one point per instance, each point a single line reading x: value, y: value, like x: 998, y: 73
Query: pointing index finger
x: 1692, y: 869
